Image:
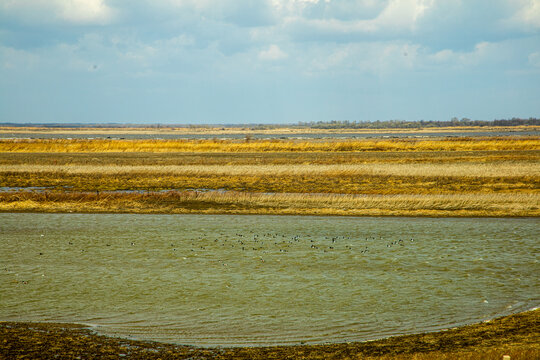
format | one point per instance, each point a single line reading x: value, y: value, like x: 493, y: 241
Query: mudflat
x: 515, y: 335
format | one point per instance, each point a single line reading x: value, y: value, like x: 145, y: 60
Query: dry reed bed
x: 477, y: 172
x: 269, y: 179
x: 256, y: 203
x: 501, y: 169
x: 188, y: 145
x: 314, y: 183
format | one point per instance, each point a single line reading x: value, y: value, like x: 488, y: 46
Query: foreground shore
x: 515, y: 335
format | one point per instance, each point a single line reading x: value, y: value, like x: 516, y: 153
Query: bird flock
x: 273, y: 242
x: 251, y: 242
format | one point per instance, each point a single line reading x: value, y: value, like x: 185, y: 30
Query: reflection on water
x: 246, y: 280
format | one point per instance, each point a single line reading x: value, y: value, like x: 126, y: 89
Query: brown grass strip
x: 272, y: 182
x: 269, y: 158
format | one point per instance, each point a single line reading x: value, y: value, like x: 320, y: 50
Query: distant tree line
x: 402, y: 124
x: 334, y: 124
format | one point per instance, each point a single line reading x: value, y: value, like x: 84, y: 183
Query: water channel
x: 305, y: 136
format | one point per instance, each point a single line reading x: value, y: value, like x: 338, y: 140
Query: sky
x: 267, y: 61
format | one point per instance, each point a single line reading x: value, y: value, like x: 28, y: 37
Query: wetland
x: 472, y: 176
x: 152, y: 236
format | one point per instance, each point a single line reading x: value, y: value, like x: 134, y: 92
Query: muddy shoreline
x: 516, y: 334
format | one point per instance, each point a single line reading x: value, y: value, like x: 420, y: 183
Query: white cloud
x: 381, y: 59
x: 501, y: 57
x: 291, y: 6
x: 442, y: 56
x: 238, y: 12
x: 525, y: 15
x: 389, y: 58
x: 530, y: 13
x: 273, y: 52
x: 534, y: 59
x: 402, y: 14
x: 450, y: 57
x: 396, y: 17
x: 85, y: 11
x: 71, y: 11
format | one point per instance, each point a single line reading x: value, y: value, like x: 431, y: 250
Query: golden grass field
x: 457, y: 176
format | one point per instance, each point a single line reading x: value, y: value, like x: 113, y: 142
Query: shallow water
x: 260, y: 280
x: 359, y: 135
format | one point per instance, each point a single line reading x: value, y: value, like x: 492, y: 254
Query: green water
x: 260, y: 280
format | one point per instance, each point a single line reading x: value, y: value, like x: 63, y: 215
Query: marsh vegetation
x: 491, y: 176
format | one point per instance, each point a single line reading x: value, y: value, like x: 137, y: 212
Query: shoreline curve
x: 516, y: 335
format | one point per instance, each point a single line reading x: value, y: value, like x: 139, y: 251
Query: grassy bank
x: 516, y: 335
x: 184, y: 202
x: 381, y: 179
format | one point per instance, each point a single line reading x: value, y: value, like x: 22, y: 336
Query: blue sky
x: 267, y: 61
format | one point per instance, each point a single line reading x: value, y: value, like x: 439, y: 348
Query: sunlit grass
x: 371, y: 178
x: 501, y: 169
x: 257, y: 203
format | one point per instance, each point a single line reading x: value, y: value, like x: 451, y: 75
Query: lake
x: 262, y: 280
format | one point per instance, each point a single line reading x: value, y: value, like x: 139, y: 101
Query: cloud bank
x: 190, y: 61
